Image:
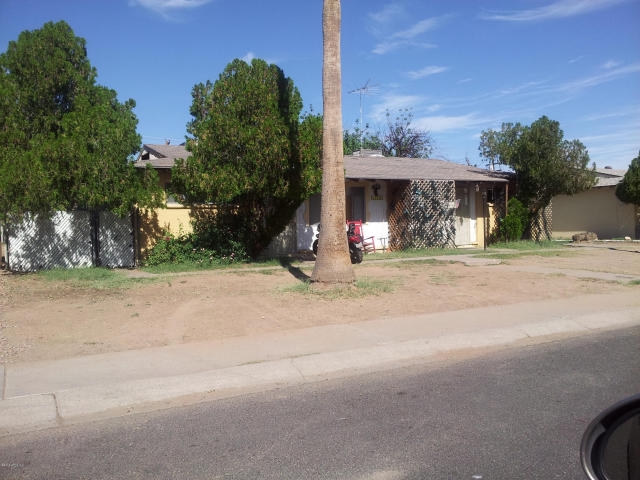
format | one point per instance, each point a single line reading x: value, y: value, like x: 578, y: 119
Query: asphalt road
x: 510, y: 414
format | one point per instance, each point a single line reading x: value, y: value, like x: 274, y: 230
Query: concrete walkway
x: 52, y: 393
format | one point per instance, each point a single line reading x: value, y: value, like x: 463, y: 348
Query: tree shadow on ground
x: 295, y: 271
x: 617, y: 249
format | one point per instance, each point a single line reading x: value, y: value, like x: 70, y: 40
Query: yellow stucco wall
x: 596, y: 210
x: 154, y: 223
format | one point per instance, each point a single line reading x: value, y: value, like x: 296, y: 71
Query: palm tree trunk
x: 333, y: 264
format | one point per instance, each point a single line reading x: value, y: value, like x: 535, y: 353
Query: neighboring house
x: 414, y: 202
x: 162, y: 158
x: 596, y: 210
x: 174, y: 218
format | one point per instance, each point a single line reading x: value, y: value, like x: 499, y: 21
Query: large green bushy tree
x: 545, y: 164
x: 65, y: 141
x: 628, y: 190
x: 247, y: 154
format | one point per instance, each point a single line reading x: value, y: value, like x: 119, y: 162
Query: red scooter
x: 356, y: 249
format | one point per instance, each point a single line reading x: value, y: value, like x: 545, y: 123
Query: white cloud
x: 444, y: 123
x: 394, y: 103
x: 628, y: 111
x: 248, y: 57
x: 426, y: 71
x: 559, y: 9
x: 387, y: 14
x: 616, y: 147
x: 407, y: 37
x: 419, y: 28
x: 594, y: 80
x: 525, y: 87
x: 164, y: 7
x: 610, y: 64
x: 386, y: 47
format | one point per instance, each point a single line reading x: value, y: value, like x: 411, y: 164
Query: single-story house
x: 596, y: 210
x: 414, y: 202
x: 402, y: 202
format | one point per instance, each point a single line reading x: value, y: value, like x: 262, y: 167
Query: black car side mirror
x: 610, y: 448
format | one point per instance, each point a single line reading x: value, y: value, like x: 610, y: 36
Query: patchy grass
x: 185, y: 267
x: 520, y: 254
x: 529, y: 245
x: 443, y: 278
x: 363, y: 287
x: 92, y: 277
x: 417, y: 262
x: 426, y: 252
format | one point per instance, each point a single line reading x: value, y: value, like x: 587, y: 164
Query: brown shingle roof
x: 608, y: 177
x: 160, y: 156
x: 395, y: 168
x: 368, y: 166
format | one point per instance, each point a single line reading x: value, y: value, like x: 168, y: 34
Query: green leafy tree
x: 628, y: 190
x: 246, y: 155
x: 544, y: 162
x: 310, y: 148
x: 65, y: 141
x: 359, y: 139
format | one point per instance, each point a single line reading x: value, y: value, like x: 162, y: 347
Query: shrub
x: 172, y: 249
x: 513, y: 224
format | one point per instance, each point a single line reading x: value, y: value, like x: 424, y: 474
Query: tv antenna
x: 366, y: 89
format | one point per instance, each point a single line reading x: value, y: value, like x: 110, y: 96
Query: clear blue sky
x: 461, y: 66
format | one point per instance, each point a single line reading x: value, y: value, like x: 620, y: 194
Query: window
x: 355, y: 204
x: 314, y: 209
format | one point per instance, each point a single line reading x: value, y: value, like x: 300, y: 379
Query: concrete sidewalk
x: 45, y: 394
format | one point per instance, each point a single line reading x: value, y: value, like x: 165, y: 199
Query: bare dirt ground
x: 42, y: 319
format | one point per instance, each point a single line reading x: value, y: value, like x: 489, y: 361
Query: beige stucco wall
x: 597, y: 210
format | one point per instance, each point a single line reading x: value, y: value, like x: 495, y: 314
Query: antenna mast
x: 366, y: 89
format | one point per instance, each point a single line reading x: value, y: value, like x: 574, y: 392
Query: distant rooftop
x: 608, y: 177
x: 160, y: 155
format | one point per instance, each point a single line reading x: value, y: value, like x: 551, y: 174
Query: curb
x: 44, y: 410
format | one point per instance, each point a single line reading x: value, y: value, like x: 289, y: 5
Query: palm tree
x: 333, y: 264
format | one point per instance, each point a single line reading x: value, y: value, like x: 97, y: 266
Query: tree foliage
x: 544, y: 162
x: 65, y: 141
x: 250, y: 154
x: 359, y: 139
x: 399, y: 139
x: 514, y: 223
x: 403, y: 140
x: 628, y: 190
x: 310, y: 148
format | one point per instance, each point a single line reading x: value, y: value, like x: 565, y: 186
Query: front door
x: 355, y: 204
x: 463, y: 217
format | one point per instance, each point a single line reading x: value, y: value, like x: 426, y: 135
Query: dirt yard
x: 42, y: 319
